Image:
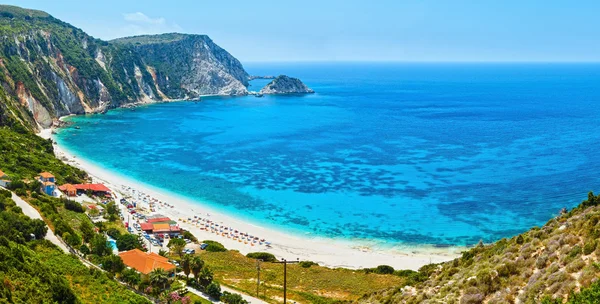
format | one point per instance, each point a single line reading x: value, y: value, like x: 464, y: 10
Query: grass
x: 305, y: 285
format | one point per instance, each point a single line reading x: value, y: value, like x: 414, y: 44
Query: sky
x: 368, y: 30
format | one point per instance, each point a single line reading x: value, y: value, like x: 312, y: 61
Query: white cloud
x: 139, y: 23
x: 140, y: 17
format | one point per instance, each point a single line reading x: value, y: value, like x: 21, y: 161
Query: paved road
x: 34, y: 214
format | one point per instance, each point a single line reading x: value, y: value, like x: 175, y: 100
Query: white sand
x: 325, y: 251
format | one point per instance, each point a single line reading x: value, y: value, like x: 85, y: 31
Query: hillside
x: 36, y: 271
x: 545, y: 264
x: 50, y: 68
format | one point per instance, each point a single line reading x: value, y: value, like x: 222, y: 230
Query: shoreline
x: 325, y: 251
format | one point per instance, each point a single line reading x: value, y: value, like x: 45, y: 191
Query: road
x: 34, y: 214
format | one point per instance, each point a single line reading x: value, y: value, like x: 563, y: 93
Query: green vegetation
x: 544, y: 265
x: 23, y: 155
x: 214, y: 246
x: 263, y: 256
x: 150, y: 39
x: 313, y: 284
x: 36, y: 271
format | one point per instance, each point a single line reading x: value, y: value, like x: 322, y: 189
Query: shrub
x: 384, y: 269
x: 188, y: 235
x: 214, y: 246
x: 307, y: 264
x: 214, y: 290
x: 232, y: 298
x: 73, y: 206
x: 507, y: 269
x: 84, y: 249
x: 264, y: 256
x: 589, y: 247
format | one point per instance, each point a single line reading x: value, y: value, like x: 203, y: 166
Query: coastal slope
x: 50, y: 68
x: 544, y: 265
x: 285, y: 85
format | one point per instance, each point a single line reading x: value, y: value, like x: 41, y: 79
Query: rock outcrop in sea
x: 285, y: 85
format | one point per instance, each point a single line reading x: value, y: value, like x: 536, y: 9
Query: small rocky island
x: 285, y: 85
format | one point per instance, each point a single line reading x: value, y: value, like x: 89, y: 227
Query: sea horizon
x: 451, y: 171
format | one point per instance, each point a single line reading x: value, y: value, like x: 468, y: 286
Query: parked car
x: 203, y: 246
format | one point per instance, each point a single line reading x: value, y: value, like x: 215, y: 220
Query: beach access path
x: 34, y: 214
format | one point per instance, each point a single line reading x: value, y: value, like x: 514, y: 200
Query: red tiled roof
x: 158, y: 219
x: 2, y: 174
x: 146, y: 226
x: 144, y: 262
x: 67, y: 187
x: 92, y: 187
x: 46, y: 175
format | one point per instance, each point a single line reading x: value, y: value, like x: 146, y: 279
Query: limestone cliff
x: 285, y: 85
x: 48, y: 68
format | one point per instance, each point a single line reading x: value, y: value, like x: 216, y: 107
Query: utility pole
x: 258, y: 276
x: 285, y: 262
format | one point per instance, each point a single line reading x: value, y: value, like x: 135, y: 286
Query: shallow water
x: 402, y: 153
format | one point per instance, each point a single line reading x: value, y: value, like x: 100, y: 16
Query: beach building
x: 68, y: 190
x: 95, y: 189
x: 158, y: 219
x: 46, y: 177
x: 147, y: 227
x: 48, y: 183
x: 4, y: 181
x: 146, y: 262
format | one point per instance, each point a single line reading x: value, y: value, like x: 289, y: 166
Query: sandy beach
x: 325, y: 251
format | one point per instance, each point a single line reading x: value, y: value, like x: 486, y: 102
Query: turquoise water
x: 443, y: 154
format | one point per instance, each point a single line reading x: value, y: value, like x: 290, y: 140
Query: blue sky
x: 369, y: 30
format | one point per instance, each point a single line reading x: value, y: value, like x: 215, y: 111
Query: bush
x: 264, y: 256
x: 84, y: 249
x: 307, y: 264
x: 232, y: 298
x: 384, y: 269
x: 214, y: 246
x: 589, y: 247
x: 214, y: 290
x: 73, y: 206
x: 188, y: 235
x: 114, y: 233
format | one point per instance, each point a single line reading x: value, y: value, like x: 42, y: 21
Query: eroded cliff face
x: 187, y: 66
x: 50, y: 69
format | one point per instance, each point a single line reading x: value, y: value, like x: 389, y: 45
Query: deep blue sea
x: 443, y: 154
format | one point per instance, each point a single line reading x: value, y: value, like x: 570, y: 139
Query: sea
x: 442, y: 154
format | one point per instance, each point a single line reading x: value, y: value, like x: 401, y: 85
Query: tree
x: 84, y: 249
x: 131, y: 277
x: 39, y: 228
x: 72, y: 239
x: 232, y: 298
x: 176, y: 245
x: 159, y: 278
x: 186, y: 265
x: 196, y: 264
x: 87, y: 231
x: 113, y: 263
x: 205, y: 277
x: 113, y: 233
x: 162, y: 253
x: 214, y: 290
x: 128, y: 242
x: 100, y: 245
